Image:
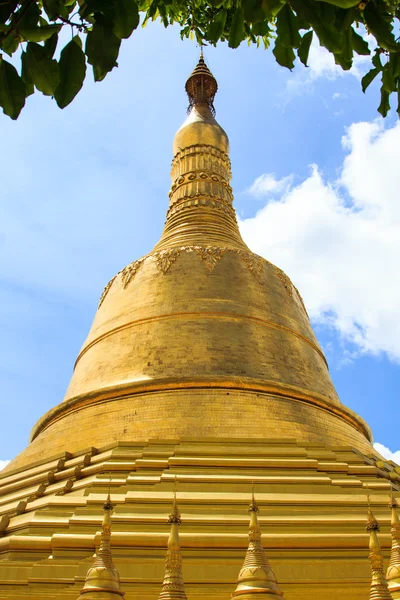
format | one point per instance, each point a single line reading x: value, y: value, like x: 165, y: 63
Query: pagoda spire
x: 256, y: 578
x: 393, y: 572
x: 173, y: 587
x: 379, y: 587
x: 201, y: 86
x: 102, y: 579
x: 201, y: 212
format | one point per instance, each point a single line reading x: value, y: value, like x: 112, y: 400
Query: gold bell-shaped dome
x: 201, y: 337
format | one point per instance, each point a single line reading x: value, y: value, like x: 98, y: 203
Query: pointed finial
x: 393, y: 572
x: 256, y: 576
x: 173, y: 587
x: 253, y: 504
x: 175, y: 516
x: 103, y: 576
x: 201, y: 86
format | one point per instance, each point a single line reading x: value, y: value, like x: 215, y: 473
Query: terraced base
x: 312, y: 501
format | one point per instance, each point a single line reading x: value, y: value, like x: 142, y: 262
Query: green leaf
x: 273, y: 7
x: 12, y: 90
x: 388, y: 80
x: 253, y: 11
x: 5, y: 10
x: 28, y: 17
x: 368, y: 78
x: 342, y: 3
x: 39, y: 34
x: 126, y: 18
x: 376, y: 60
x: 42, y: 70
x: 261, y: 28
x: 345, y: 58
x: 395, y: 62
x: 287, y: 28
x: 318, y: 17
x: 359, y: 44
x: 384, y: 106
x: 50, y: 45
x: 377, y: 23
x: 10, y: 43
x: 236, y: 34
x: 304, y: 47
x: 102, y: 48
x: 216, y: 27
x: 72, y: 72
x: 284, y: 56
x: 26, y: 78
x: 55, y: 9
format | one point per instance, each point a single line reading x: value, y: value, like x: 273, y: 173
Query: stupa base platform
x: 312, y: 501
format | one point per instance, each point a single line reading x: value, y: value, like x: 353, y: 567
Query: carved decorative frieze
x: 253, y: 262
x: 210, y: 256
x: 129, y: 272
x: 106, y: 290
x: 198, y: 200
x: 292, y: 289
x: 166, y: 258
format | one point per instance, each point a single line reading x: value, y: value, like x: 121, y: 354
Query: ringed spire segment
x: 201, y: 86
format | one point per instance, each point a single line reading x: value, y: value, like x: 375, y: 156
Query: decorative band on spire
x: 201, y: 86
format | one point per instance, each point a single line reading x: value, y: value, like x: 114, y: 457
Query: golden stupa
x: 201, y: 366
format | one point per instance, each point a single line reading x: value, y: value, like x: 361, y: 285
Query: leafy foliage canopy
x: 30, y: 30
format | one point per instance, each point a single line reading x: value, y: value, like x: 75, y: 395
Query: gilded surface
x: 379, y: 587
x: 256, y: 578
x: 201, y: 365
x: 103, y: 578
x: 173, y: 586
x: 393, y: 572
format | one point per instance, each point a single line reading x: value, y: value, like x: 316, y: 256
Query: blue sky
x: 85, y: 191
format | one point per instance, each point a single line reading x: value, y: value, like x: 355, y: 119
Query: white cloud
x: 267, y: 183
x: 386, y: 453
x: 3, y: 463
x: 340, y: 240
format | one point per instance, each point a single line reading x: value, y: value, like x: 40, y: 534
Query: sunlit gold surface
x: 201, y: 364
x: 102, y: 579
x: 393, y: 572
x: 379, y: 587
x: 173, y: 587
x: 256, y: 578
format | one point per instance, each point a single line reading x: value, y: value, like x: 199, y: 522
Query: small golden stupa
x: 393, y: 572
x: 256, y: 578
x: 379, y: 587
x: 102, y: 579
x: 202, y: 366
